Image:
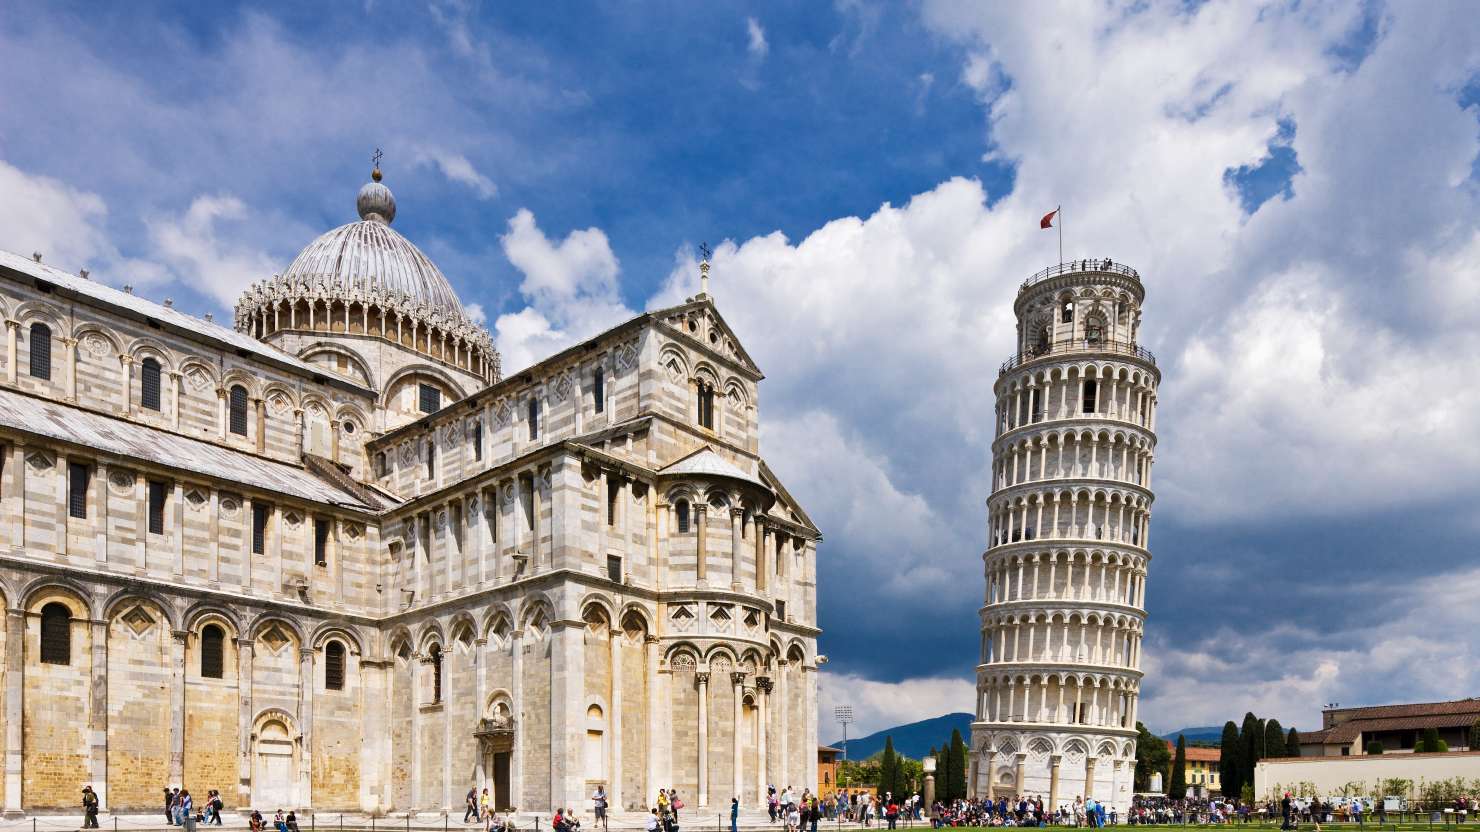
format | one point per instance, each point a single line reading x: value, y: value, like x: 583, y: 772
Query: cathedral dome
x: 366, y: 269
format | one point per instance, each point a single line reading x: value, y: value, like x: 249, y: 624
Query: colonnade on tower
x: 1068, y: 528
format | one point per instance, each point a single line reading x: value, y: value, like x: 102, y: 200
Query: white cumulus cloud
x: 756, y: 39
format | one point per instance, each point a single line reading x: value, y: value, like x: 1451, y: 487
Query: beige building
x: 335, y: 557
x: 1059, y: 671
x: 1397, y: 728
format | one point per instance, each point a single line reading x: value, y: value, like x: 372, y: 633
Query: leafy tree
x: 1177, y: 783
x: 911, y: 776
x: 1274, y: 739
x: 1430, y: 743
x: 1151, y: 756
x: 1230, y: 761
x: 1374, y: 747
x: 1292, y: 744
x: 957, y: 752
x: 1252, y: 733
x: 888, y: 768
x: 943, y: 773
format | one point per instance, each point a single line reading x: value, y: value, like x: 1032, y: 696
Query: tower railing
x: 1079, y: 345
x: 1105, y: 265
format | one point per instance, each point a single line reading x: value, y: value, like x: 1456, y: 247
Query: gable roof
x: 706, y: 303
x: 784, y: 496
x: 170, y: 319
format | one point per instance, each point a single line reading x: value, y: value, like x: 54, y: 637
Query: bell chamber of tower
x: 1059, y: 675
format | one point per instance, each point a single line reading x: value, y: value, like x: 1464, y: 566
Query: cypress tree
x: 1230, y: 761
x: 1274, y: 739
x: 1252, y: 734
x: 1292, y: 744
x: 888, y: 767
x: 957, y: 753
x: 943, y: 773
x: 1177, y: 783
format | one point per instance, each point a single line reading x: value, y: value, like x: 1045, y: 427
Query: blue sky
x: 1296, y: 182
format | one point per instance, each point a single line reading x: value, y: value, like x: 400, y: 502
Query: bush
x: 1374, y: 747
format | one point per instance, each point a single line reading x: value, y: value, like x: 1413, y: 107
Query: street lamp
x: 928, y: 764
x: 844, y: 715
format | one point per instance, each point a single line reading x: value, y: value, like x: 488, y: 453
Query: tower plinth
x: 1067, y: 551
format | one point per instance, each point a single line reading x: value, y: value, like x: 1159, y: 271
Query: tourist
x: 674, y: 803
x: 483, y: 808
x: 891, y: 813
x: 598, y: 806
x: 1356, y: 812
x: 169, y: 804
x: 734, y: 814
x: 89, y: 808
x: 470, y: 805
x: 187, y: 811
x: 291, y: 821
x: 652, y: 822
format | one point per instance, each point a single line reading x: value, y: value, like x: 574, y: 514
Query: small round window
x: 349, y: 427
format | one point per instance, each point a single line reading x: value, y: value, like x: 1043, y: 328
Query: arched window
x: 1088, y: 401
x: 380, y: 469
x: 706, y: 406
x: 681, y: 508
x: 1066, y: 311
x: 1094, y: 329
x: 1045, y: 339
x: 238, y: 408
x: 436, y: 673
x: 334, y: 666
x: 56, y: 634
x: 149, y: 383
x: 40, y: 351
x: 212, y: 652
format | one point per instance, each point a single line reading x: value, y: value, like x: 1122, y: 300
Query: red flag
x: 1047, y: 221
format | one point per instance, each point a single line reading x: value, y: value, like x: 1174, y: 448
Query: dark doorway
x: 501, y: 802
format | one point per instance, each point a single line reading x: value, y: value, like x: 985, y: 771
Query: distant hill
x: 1207, y: 733
x: 912, y: 740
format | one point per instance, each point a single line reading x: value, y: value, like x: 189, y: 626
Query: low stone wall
x: 1329, y: 774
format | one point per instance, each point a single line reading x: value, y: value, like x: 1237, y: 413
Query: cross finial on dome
x: 376, y: 203
x: 375, y: 161
x: 704, y: 254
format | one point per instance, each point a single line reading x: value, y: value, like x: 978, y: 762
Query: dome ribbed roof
x: 370, y: 257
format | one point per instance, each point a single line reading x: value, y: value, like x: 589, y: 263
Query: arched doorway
x: 273, y: 769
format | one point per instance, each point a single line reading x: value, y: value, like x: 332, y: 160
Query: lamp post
x: 928, y: 764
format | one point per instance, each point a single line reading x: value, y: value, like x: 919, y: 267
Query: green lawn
x: 1257, y: 827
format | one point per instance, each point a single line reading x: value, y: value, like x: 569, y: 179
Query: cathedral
x: 333, y: 557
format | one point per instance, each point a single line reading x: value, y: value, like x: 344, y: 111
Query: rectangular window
x: 157, y: 495
x: 431, y: 399
x: 598, y: 390
x: 77, y: 479
x: 149, y: 384
x: 431, y: 460
x: 780, y: 610
x: 478, y: 441
x: 1088, y: 401
x: 706, y: 406
x: 614, y: 568
x: 321, y: 529
x: 260, y: 513
x: 613, y: 493
x: 534, y: 418
x: 526, y: 484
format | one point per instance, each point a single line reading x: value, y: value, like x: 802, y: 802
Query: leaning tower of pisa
x: 1059, y: 672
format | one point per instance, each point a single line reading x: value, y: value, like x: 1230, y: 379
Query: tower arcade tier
x: 1068, y: 521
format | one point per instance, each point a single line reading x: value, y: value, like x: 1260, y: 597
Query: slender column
x: 1089, y: 776
x: 244, y: 720
x: 701, y: 514
x: 180, y: 640
x: 737, y: 680
x: 1053, y: 783
x: 98, y: 713
x: 763, y: 708
x: 70, y: 356
x: 12, y: 355
x: 1022, y: 759
x: 306, y: 686
x: 784, y: 757
x: 516, y: 693
x: 702, y: 680
x: 15, y: 646
x: 991, y: 755
x: 658, y: 702
x: 614, y: 724
x: 761, y: 533
x: 737, y: 516
x: 174, y: 400
x: 221, y: 413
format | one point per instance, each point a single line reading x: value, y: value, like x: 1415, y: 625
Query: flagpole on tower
x: 1060, y: 209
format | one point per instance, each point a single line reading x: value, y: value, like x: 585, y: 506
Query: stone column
x: 762, y: 713
x: 69, y: 353
x: 701, y: 517
x: 244, y: 720
x: 180, y: 640
x: 1089, y: 776
x: 783, y: 759
x: 991, y: 754
x: 737, y: 516
x: 760, y: 554
x: 98, y: 713
x: 178, y: 520
x: 738, y: 680
x: 657, y: 702
x: 1053, y: 783
x: 1022, y: 760
x: 15, y: 647
x: 516, y: 693
x: 11, y: 328
x: 221, y: 413
x: 306, y: 686
x: 567, y: 715
x: 614, y: 724
x: 100, y: 526
x: 174, y: 399
x: 126, y: 363
x: 701, y: 679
